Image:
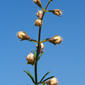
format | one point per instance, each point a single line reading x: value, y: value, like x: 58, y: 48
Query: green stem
x: 32, y: 40
x: 38, y: 48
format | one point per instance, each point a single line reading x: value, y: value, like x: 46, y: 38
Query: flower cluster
x: 33, y: 57
x: 38, y: 22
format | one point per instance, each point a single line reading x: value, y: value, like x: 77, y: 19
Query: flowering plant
x: 34, y: 56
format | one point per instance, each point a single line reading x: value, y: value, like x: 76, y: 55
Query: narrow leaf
x: 34, y: 54
x: 47, y: 78
x: 40, y: 55
x: 44, y: 76
x: 30, y: 75
x: 32, y: 40
x: 45, y: 40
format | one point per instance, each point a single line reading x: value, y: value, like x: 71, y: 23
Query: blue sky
x: 66, y: 61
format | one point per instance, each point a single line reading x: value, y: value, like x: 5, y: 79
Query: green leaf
x: 45, y: 40
x: 43, y: 83
x: 30, y: 75
x: 32, y: 40
x: 40, y: 55
x: 47, y: 78
x: 34, y: 54
x: 44, y: 76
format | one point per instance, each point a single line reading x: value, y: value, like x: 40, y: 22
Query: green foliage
x: 43, y: 83
x: 30, y: 75
x: 44, y: 76
x: 47, y: 78
x: 34, y: 54
x: 40, y: 55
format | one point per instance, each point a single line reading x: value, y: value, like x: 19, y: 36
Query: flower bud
x: 56, y: 39
x: 22, y: 35
x: 40, y: 14
x: 38, y: 22
x: 41, y: 46
x: 30, y: 58
x: 57, y: 12
x: 38, y: 2
x: 52, y: 81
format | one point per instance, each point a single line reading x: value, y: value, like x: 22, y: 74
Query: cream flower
x: 30, y: 58
x: 57, y: 12
x: 40, y: 14
x: 41, y: 46
x: 38, y: 22
x: 56, y: 39
x: 22, y: 35
x: 52, y: 81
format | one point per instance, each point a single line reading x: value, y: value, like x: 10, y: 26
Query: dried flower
x: 30, y: 58
x: 40, y: 14
x: 22, y: 35
x: 57, y: 12
x: 38, y: 22
x: 41, y: 46
x: 38, y: 2
x: 56, y: 39
x: 52, y: 81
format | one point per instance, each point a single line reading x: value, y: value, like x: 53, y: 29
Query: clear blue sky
x: 66, y: 61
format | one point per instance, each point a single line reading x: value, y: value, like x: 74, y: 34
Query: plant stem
x: 38, y: 48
